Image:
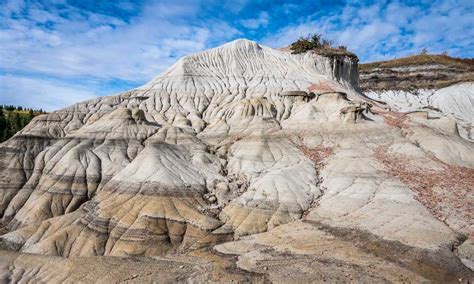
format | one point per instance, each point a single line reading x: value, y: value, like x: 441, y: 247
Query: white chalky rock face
x: 229, y: 142
x: 455, y: 101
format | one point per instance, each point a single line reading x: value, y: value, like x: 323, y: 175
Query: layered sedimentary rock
x: 439, y: 84
x: 424, y: 71
x: 235, y: 141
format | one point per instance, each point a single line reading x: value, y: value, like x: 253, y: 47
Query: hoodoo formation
x: 248, y: 162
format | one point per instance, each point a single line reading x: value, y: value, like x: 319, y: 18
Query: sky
x: 57, y: 52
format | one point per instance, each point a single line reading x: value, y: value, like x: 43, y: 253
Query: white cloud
x: 383, y: 31
x: 40, y: 93
x: 63, y: 44
x: 85, y: 43
x: 235, y: 6
x: 261, y: 21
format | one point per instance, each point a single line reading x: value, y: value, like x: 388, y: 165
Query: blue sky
x: 54, y: 53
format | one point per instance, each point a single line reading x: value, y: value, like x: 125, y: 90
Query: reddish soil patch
x: 396, y: 119
x: 321, y: 87
x: 318, y: 154
x: 446, y: 193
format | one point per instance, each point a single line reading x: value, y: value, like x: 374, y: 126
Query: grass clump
x: 315, y: 42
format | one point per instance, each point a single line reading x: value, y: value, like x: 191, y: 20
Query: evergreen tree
x: 14, y: 119
x: 3, y: 126
x: 15, y: 123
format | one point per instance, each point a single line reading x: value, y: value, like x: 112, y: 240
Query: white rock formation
x: 454, y: 101
x: 216, y: 148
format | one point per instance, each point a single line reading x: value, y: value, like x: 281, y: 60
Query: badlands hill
x: 442, y: 84
x: 424, y: 71
x: 239, y: 163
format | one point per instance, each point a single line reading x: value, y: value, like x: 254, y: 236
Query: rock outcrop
x: 439, y: 84
x: 240, y: 141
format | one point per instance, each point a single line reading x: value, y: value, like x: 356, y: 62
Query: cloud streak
x: 261, y: 21
x: 41, y: 93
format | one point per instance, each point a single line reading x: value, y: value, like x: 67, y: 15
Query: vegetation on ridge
x: 422, y: 71
x: 13, y: 119
x: 315, y: 42
x: 421, y: 59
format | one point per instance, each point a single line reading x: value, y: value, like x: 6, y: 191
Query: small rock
x: 222, y: 186
x: 212, y: 199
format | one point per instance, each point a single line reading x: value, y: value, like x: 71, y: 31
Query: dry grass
x: 445, y: 193
x: 336, y: 53
x: 422, y: 59
x: 321, y: 46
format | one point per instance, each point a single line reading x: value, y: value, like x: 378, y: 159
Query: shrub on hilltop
x: 320, y: 45
x: 311, y: 42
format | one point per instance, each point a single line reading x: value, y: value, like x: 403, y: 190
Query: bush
x: 313, y: 42
x: 310, y: 42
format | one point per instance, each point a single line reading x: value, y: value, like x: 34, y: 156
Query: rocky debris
x: 221, y: 193
x: 317, y: 154
x: 322, y: 253
x: 202, y: 267
x: 446, y: 190
x: 210, y: 152
x: 465, y: 250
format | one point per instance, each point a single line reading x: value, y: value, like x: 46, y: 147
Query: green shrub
x: 314, y: 42
x: 303, y: 44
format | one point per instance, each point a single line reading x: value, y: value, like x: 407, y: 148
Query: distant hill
x: 424, y: 71
x: 14, y: 118
x: 436, y: 82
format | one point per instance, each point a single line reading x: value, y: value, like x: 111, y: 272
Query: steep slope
x: 234, y: 141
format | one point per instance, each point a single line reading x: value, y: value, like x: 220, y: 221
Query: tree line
x: 14, y: 118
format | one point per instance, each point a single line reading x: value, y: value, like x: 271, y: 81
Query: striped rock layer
x: 216, y: 149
